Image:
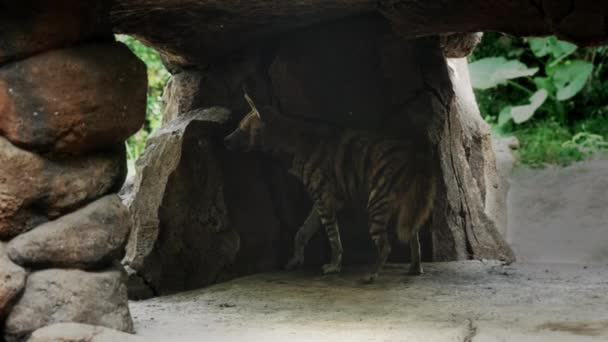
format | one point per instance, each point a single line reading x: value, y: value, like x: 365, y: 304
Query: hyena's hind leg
x: 379, y: 220
x: 416, y: 262
x: 304, y: 234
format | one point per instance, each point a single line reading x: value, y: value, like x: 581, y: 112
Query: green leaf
x: 505, y: 116
x: 570, y: 78
x: 489, y: 72
x: 545, y: 83
x: 523, y: 113
x: 542, y: 47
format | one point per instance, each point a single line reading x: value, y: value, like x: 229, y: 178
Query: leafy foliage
x: 543, y: 90
x: 157, y: 79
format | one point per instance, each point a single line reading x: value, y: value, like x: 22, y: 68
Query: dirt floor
x: 558, y: 290
x: 459, y: 301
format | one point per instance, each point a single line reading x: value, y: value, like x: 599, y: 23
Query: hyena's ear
x: 252, y: 105
x: 267, y: 114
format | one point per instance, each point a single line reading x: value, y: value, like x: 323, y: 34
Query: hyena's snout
x: 237, y: 141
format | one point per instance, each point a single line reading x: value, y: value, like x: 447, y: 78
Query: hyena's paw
x: 331, y: 268
x: 294, y: 263
x: 370, y: 278
x: 415, y: 270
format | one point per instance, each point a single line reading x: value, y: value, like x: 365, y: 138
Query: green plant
x: 157, y: 79
x: 563, y: 78
x: 550, y: 93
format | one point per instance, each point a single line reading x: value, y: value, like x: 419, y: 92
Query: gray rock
x: 36, y: 189
x: 56, y: 296
x: 76, y: 332
x: 505, y: 162
x: 181, y: 238
x: 12, y: 280
x: 90, y: 237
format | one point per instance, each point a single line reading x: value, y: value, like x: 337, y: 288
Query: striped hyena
x: 393, y: 179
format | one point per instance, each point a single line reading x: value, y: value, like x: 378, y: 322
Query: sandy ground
x: 560, y: 214
x: 458, y: 301
x: 558, y: 291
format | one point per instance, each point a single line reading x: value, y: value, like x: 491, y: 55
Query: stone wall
x: 69, y: 97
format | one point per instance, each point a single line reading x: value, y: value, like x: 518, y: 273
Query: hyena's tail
x: 416, y: 208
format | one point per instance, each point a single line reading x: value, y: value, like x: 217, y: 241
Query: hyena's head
x: 251, y: 134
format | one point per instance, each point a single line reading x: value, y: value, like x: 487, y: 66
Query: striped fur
x: 392, y: 179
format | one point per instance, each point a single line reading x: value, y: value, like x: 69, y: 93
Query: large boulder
x: 34, y: 189
x: 55, y: 296
x: 77, y: 332
x: 181, y: 238
x: 90, y: 237
x: 12, y: 281
x: 73, y: 100
x: 201, y: 214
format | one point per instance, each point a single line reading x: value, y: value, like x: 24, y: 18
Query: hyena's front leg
x: 304, y: 234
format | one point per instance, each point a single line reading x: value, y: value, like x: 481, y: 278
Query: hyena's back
x: 393, y: 177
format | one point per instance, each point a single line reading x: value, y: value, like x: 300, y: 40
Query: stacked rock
x: 69, y: 97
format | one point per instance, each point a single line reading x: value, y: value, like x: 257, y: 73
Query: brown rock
x: 90, y: 237
x: 34, y: 189
x: 73, y: 100
x: 56, y: 296
x: 12, y: 280
x: 31, y: 26
x: 76, y: 332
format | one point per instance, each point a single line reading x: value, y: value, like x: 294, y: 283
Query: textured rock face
x: 181, y: 95
x: 71, y: 100
x: 181, y: 238
x: 76, y: 332
x: 90, y: 237
x: 12, y: 281
x: 54, y: 296
x: 459, y: 45
x: 34, y: 189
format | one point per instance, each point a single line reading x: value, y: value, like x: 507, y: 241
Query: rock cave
x: 75, y: 244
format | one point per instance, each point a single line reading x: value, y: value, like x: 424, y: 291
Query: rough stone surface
x: 73, y: 100
x: 505, y: 162
x: 90, y: 237
x: 31, y: 26
x: 181, y: 238
x: 182, y: 94
x: 465, y: 217
x: 77, y: 332
x: 34, y: 189
x: 12, y: 281
x: 56, y: 296
x: 467, y: 301
x: 459, y: 45
x: 477, y: 142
